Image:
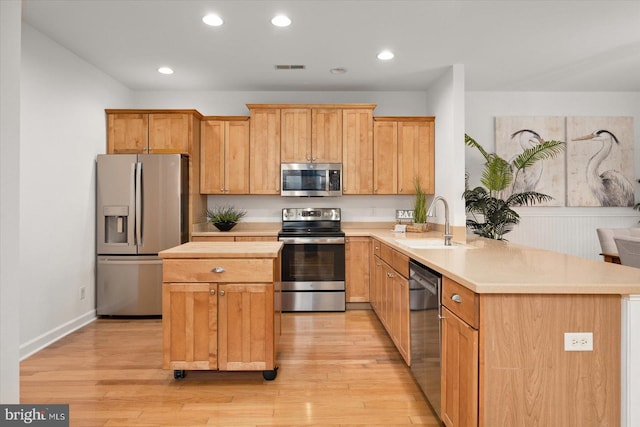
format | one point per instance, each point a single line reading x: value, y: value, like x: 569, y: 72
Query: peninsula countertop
x: 224, y: 250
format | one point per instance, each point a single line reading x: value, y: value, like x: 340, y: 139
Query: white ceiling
x: 510, y: 45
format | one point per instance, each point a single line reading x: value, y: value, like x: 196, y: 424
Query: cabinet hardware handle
x: 391, y: 275
x: 217, y: 270
x: 456, y: 298
x: 377, y: 248
x: 212, y: 291
x: 221, y: 293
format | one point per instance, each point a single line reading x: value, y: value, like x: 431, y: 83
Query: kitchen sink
x: 428, y: 244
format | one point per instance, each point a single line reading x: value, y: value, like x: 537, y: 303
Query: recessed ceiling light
x: 281, y: 21
x: 385, y: 55
x: 213, y: 20
x: 165, y: 70
x: 338, y: 70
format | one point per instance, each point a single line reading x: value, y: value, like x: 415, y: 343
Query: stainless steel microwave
x: 311, y: 179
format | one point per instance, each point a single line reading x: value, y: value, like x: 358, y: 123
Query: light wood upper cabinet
x: 357, y: 253
x: 225, y: 156
x: 170, y: 133
x: 357, y: 151
x: 127, y: 133
x: 326, y: 135
x: 295, y: 136
x: 403, y: 150
x: 264, y: 149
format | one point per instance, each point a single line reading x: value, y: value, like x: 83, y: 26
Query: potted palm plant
x: 490, y: 205
x: 419, y: 208
x: 225, y: 217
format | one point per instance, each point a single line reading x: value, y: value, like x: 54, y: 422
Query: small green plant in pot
x: 419, y: 206
x: 225, y: 217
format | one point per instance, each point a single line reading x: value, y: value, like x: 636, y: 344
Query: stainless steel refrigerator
x: 141, y: 209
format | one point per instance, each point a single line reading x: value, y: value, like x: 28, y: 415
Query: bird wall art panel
x: 517, y: 134
x: 600, y: 168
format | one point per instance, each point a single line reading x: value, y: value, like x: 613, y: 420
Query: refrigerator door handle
x: 138, y: 190
x: 132, y: 201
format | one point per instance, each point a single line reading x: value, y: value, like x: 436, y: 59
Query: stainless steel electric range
x: 313, y: 260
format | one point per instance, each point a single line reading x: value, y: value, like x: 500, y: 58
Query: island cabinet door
x: 246, y: 327
x: 189, y: 312
x: 459, y: 399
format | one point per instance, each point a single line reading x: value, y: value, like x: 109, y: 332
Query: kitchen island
x: 221, y: 307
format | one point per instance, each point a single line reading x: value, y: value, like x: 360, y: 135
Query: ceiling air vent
x: 290, y: 67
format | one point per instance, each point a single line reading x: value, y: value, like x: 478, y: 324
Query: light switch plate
x: 578, y: 341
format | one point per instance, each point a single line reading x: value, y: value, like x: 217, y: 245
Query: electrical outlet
x: 578, y: 341
x: 83, y: 292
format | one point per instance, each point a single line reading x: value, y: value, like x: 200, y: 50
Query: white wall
x: 10, y: 21
x: 63, y: 128
x: 564, y: 229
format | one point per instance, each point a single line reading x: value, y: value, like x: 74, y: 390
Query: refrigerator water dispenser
x: 115, y: 223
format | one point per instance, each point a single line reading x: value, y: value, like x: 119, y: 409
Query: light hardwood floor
x: 336, y: 369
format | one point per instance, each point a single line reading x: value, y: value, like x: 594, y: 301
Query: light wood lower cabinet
x: 504, y: 361
x: 357, y: 253
x: 390, y: 295
x: 220, y: 314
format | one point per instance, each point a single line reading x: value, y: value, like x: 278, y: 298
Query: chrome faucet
x: 447, y: 226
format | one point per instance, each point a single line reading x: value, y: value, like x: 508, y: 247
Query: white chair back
x: 628, y: 250
x: 606, y: 236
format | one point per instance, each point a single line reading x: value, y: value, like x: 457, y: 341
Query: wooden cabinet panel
x: 461, y: 301
x: 245, y: 316
x: 189, y: 326
x: 357, y: 263
x: 459, y: 399
x: 357, y: 151
x: 212, y: 239
x: 218, y: 270
x: 170, y: 133
x: 416, y: 156
x: 326, y: 135
x: 385, y: 157
x: 265, y: 151
x: 400, y: 314
x: 127, y: 133
x: 256, y: 238
x: 295, y: 137
x: 225, y: 157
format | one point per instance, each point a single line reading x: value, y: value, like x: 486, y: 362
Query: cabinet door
x: 377, y: 276
x: 246, y: 327
x: 127, y: 133
x: 400, y: 314
x: 170, y: 133
x: 236, y: 159
x: 416, y: 156
x: 459, y: 406
x: 326, y: 135
x: 385, y: 157
x: 357, y: 151
x: 357, y: 269
x: 265, y: 151
x: 295, y: 138
x: 189, y: 326
x: 212, y: 162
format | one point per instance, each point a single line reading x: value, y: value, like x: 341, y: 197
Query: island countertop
x: 224, y: 250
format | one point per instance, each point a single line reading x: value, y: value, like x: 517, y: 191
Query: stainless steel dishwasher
x: 424, y: 295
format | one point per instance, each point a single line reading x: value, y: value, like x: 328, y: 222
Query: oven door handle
x: 312, y: 240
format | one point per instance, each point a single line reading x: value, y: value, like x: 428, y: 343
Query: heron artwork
x: 610, y: 187
x: 529, y: 177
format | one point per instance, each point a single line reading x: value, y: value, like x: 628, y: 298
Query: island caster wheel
x: 270, y: 375
x: 179, y: 374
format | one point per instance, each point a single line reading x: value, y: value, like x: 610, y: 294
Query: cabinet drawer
x: 467, y: 305
x: 376, y: 247
x: 386, y: 253
x: 400, y: 263
x: 232, y: 270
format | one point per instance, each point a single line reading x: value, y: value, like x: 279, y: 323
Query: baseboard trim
x: 35, y: 345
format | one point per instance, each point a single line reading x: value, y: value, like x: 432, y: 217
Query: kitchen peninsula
x: 504, y: 357
x: 220, y: 307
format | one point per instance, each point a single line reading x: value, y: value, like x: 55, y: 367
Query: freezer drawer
x: 129, y: 286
